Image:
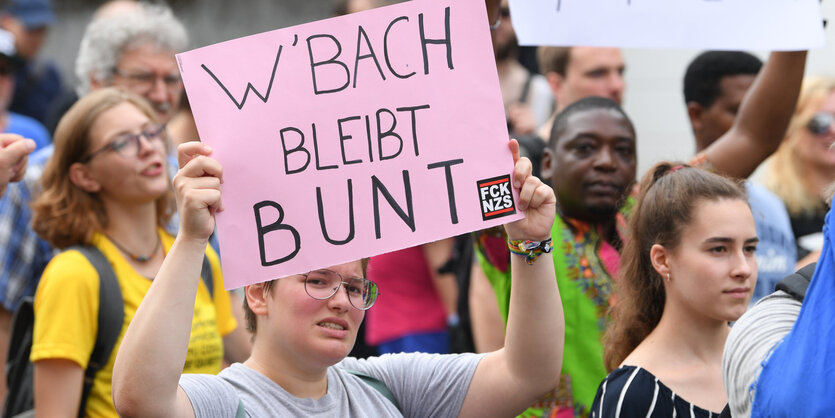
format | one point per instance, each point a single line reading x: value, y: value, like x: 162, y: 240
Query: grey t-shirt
x: 425, y: 385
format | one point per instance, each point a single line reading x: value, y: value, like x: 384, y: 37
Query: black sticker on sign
x: 496, y: 197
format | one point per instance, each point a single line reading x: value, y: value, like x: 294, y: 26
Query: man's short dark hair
x: 705, y: 72
x: 583, y: 105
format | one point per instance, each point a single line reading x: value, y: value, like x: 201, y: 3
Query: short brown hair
x: 553, y: 59
x: 251, y: 323
x: 63, y: 213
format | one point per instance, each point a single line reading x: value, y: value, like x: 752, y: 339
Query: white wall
x: 655, y: 101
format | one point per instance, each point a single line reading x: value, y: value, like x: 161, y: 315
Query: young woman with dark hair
x: 688, y: 270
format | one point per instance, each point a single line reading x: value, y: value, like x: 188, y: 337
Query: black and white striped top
x: 634, y: 392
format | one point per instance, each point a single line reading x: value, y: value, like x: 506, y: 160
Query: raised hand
x: 14, y: 152
x: 197, y: 189
x: 535, y: 198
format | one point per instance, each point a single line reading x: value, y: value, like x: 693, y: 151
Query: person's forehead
x: 604, y: 123
x: 734, y: 87
x: 588, y: 57
x: 350, y: 269
x: 148, y: 57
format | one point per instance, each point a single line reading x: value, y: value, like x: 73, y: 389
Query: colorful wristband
x: 530, y: 249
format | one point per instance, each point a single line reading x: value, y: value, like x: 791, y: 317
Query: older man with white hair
x: 134, y: 50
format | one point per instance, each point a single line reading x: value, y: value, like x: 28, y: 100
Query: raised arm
x: 14, y: 152
x: 159, y: 332
x: 763, y: 117
x: 508, y: 380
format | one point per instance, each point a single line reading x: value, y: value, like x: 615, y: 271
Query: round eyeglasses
x: 127, y: 144
x: 323, y: 284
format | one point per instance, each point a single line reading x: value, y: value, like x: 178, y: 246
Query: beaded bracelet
x: 530, y: 249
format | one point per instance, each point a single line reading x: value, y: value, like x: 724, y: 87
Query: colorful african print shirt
x: 585, y: 265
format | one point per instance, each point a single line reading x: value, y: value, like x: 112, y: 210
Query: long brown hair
x: 669, y: 193
x: 63, y: 213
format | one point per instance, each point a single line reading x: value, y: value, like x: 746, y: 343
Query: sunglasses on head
x: 820, y: 123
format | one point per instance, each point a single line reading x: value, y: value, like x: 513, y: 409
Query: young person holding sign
x: 305, y: 325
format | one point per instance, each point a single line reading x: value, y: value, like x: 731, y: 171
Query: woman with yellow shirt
x: 107, y: 186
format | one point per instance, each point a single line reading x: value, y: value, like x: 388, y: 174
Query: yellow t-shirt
x: 66, y: 316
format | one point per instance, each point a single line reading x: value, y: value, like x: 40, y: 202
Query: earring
x: 668, y: 277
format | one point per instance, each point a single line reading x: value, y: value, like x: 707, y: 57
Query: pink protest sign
x: 353, y: 136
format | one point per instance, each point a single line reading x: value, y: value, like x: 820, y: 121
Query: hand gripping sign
x: 353, y: 136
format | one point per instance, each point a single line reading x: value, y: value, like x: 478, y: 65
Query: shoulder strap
x: 110, y: 317
x: 206, y: 275
x: 378, y: 385
x: 526, y: 88
x: 19, y: 370
x: 796, y: 283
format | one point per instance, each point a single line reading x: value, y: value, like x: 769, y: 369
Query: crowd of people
x: 674, y: 295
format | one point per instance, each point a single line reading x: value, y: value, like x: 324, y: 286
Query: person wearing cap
x: 11, y: 122
x: 39, y: 83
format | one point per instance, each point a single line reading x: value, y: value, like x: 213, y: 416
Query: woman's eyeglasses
x: 323, y: 284
x: 127, y: 144
x: 820, y: 123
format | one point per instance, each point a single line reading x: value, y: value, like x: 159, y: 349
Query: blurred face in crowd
x: 713, y: 270
x: 712, y: 122
x: 505, y: 44
x: 592, y: 164
x: 28, y: 41
x: 590, y: 72
x: 814, y: 147
x: 6, y: 82
x: 151, y: 73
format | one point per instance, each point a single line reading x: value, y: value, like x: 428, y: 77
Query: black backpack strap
x: 110, y: 318
x: 19, y: 371
x: 796, y: 283
x: 378, y: 385
x: 206, y: 275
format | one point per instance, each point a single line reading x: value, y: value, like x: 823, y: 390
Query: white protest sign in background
x: 704, y: 24
x: 353, y: 136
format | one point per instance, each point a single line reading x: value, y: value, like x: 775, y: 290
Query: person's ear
x: 256, y: 298
x: 82, y: 178
x: 695, y: 112
x: 555, y: 81
x: 96, y: 84
x: 547, y: 168
x: 660, y: 258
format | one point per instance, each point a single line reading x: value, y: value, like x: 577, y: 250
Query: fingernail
x: 30, y: 145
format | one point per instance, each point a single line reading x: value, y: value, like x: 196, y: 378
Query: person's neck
x: 818, y: 179
x: 133, y: 226
x: 290, y: 374
x: 605, y: 227
x: 688, y: 337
